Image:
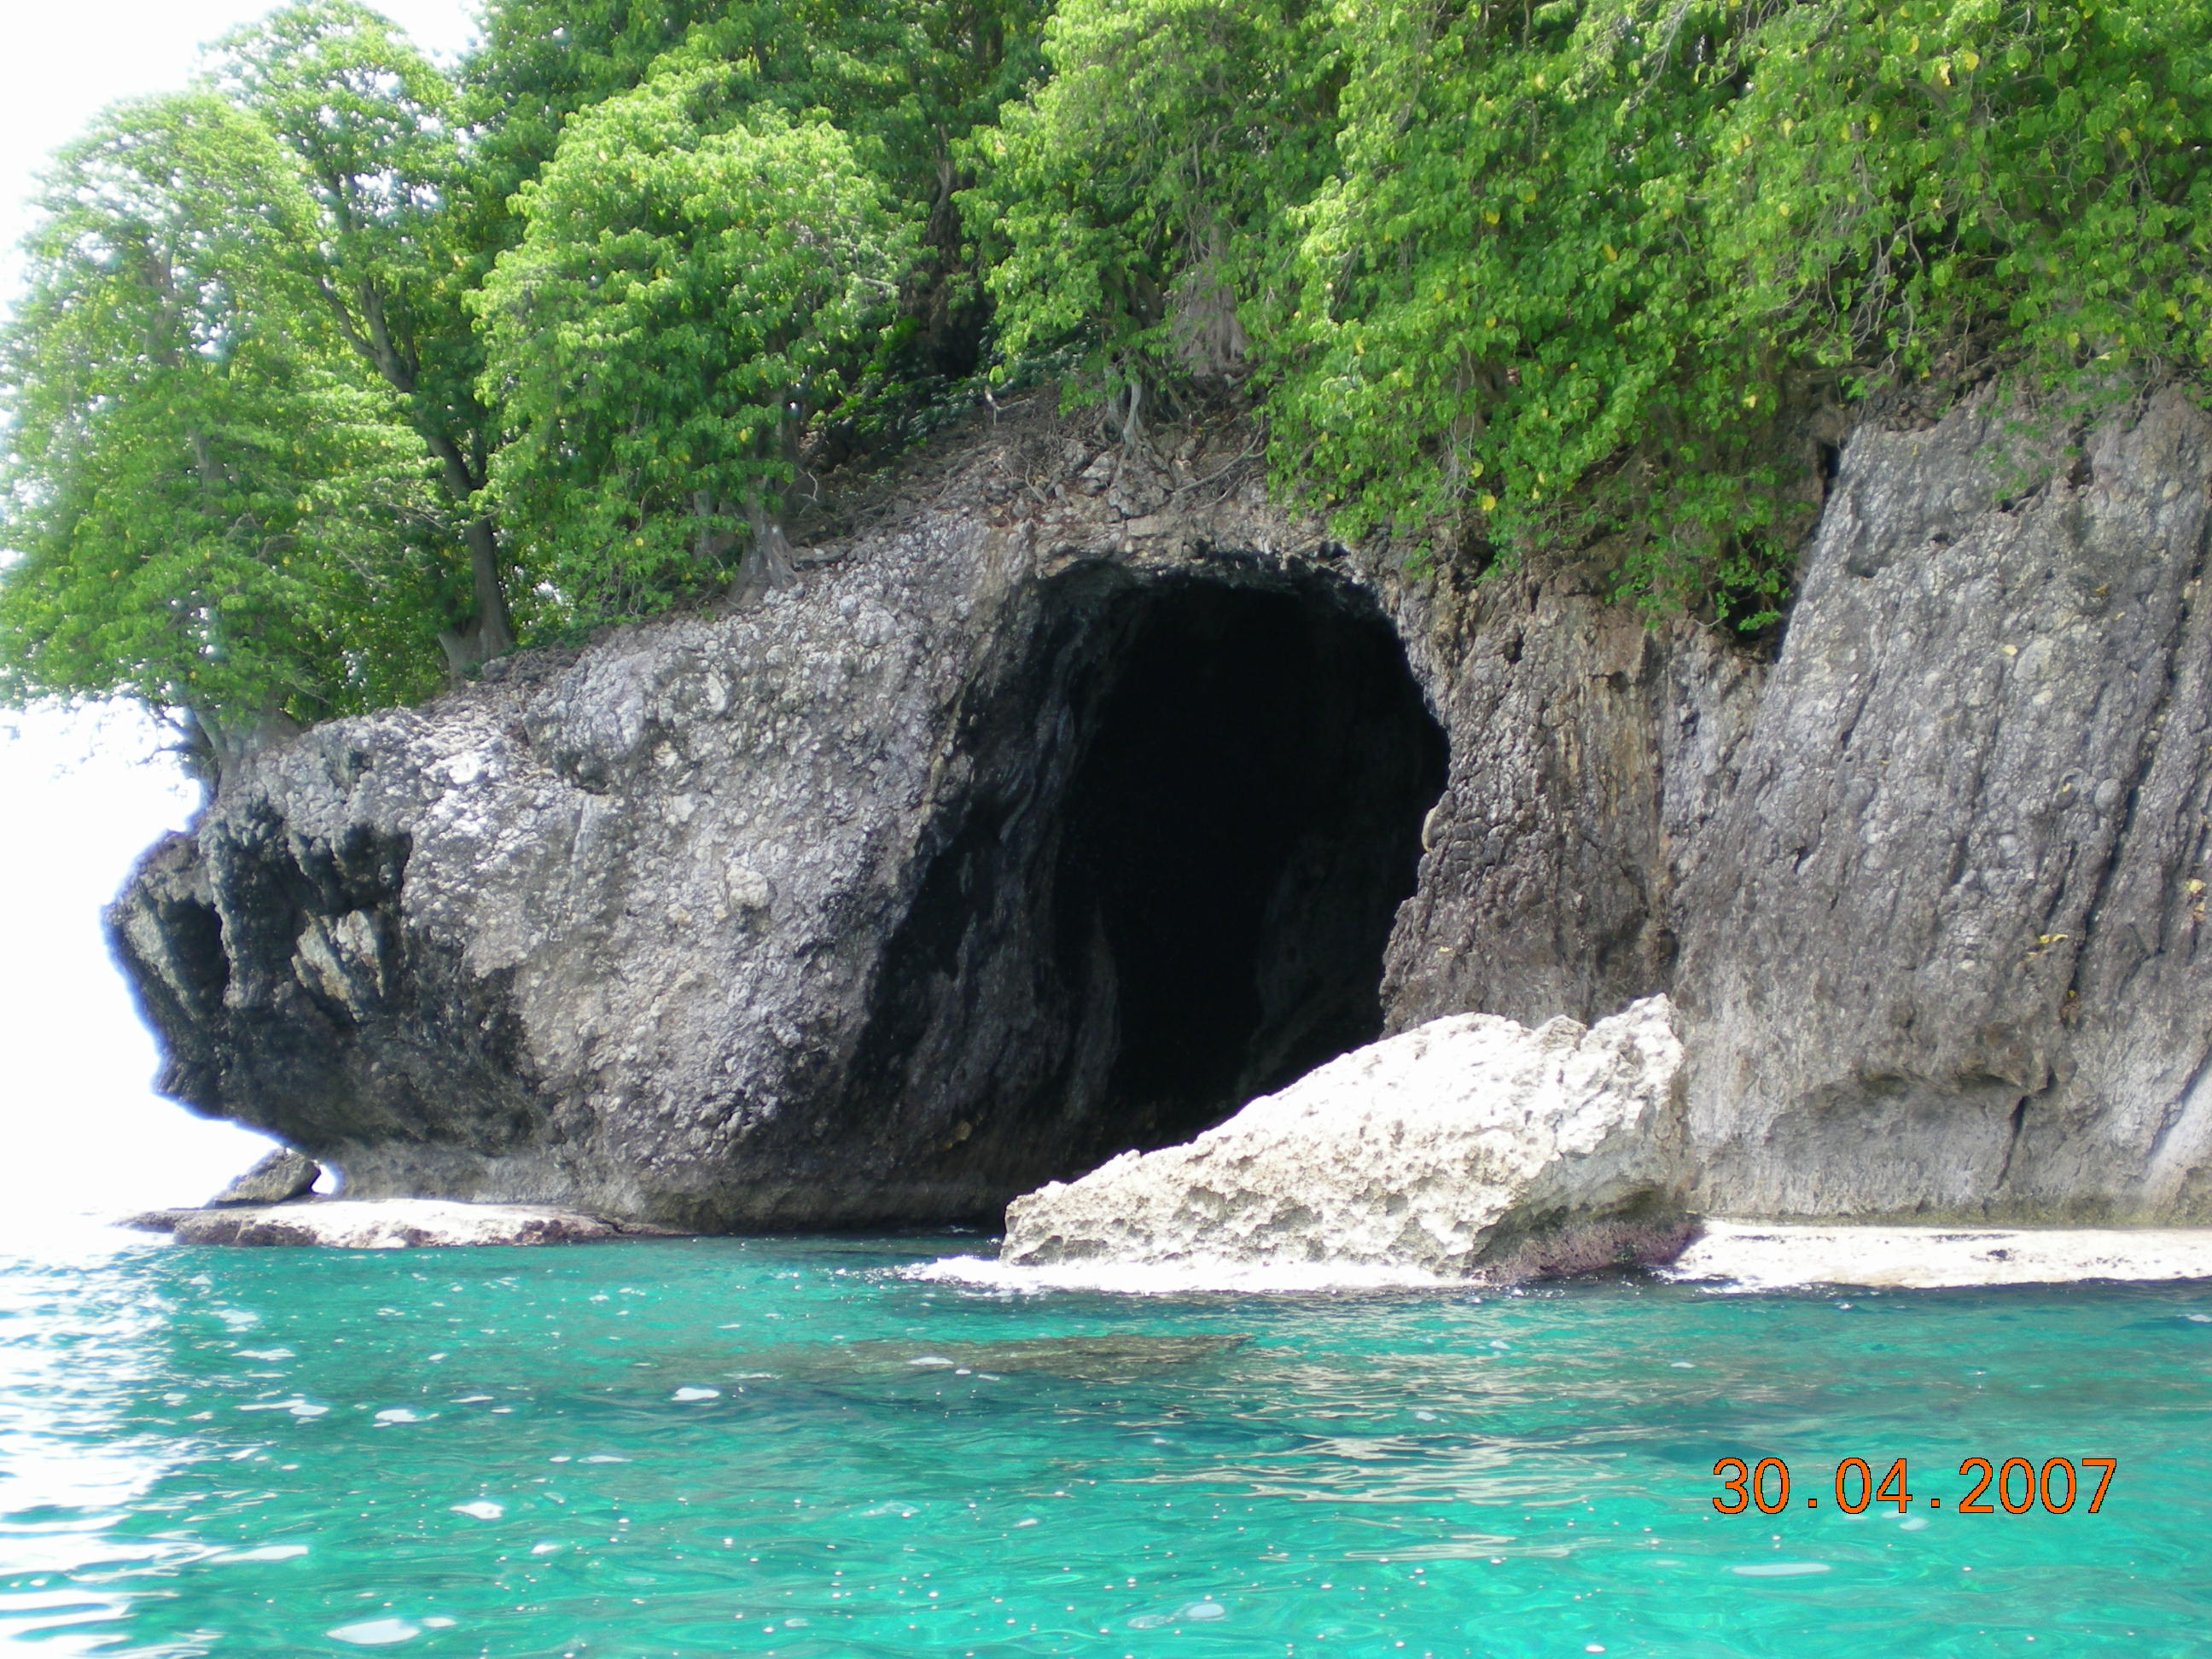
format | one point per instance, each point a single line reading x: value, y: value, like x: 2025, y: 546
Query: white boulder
x: 1470, y: 1148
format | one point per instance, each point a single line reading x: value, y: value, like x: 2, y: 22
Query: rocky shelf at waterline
x: 1755, y: 1255
x: 387, y: 1224
x: 1474, y: 1151
x: 1722, y: 1254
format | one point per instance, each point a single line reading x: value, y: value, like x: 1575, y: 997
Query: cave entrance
x: 1241, y: 829
x: 1195, y: 809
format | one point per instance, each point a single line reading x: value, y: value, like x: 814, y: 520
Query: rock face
x: 281, y: 1175
x: 1077, y: 802
x: 1468, y: 1147
x: 1945, y: 949
x: 1002, y: 844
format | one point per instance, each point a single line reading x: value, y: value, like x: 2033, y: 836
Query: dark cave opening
x: 1242, y: 827
x: 1195, y: 807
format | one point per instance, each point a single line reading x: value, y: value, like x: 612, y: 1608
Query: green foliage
x: 1906, y: 175
x: 544, y: 60
x: 1146, y: 180
x: 905, y: 80
x: 695, y: 276
x: 1508, y: 305
x: 1573, y: 271
x: 911, y: 81
x: 212, y: 510
x: 722, y: 226
x: 327, y: 364
x: 392, y: 249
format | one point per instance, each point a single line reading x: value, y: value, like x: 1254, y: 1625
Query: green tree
x: 1509, y: 321
x: 542, y: 61
x: 911, y: 81
x: 1571, y: 274
x: 375, y: 127
x: 212, y: 511
x: 1582, y: 266
x: 698, y: 275
x: 1134, y: 201
x: 907, y: 81
x: 1910, y: 175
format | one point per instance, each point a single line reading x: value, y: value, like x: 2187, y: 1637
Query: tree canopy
x: 1570, y: 272
x: 213, y: 512
x: 343, y: 369
x: 697, y: 273
x: 373, y: 124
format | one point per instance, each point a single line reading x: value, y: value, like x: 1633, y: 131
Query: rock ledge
x: 278, y: 1178
x: 1755, y: 1255
x: 387, y: 1224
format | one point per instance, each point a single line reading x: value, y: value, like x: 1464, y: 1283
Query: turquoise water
x: 784, y: 1447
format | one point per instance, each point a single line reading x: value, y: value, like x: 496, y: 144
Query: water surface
x: 749, y: 1447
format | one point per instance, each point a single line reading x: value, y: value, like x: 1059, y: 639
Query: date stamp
x: 2019, y: 1485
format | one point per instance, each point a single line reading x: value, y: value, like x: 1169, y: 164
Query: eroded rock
x: 995, y: 847
x: 1945, y: 948
x: 1469, y: 1148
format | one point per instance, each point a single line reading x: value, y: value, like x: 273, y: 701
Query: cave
x: 1190, y: 812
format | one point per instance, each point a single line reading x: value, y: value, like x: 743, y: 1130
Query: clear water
x: 757, y: 1447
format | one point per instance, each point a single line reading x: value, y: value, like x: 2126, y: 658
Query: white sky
x: 81, y: 794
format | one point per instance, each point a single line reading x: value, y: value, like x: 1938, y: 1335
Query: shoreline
x: 1725, y: 1254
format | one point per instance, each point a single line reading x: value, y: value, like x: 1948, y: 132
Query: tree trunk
x: 215, y: 742
x: 488, y: 632
x: 767, y: 563
x: 703, y: 539
x: 1133, y: 424
x: 494, y: 625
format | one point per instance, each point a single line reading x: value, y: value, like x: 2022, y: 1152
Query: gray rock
x: 389, y: 1224
x: 1589, y: 752
x: 1041, y: 822
x: 876, y: 901
x: 276, y: 1177
x: 1471, y: 1147
x: 1944, y: 948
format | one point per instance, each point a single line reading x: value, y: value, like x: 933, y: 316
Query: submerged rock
x: 386, y: 1224
x: 1074, y: 1359
x: 1471, y: 1147
x: 282, y: 1176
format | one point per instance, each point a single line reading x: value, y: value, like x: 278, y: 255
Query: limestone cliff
x: 1076, y: 802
